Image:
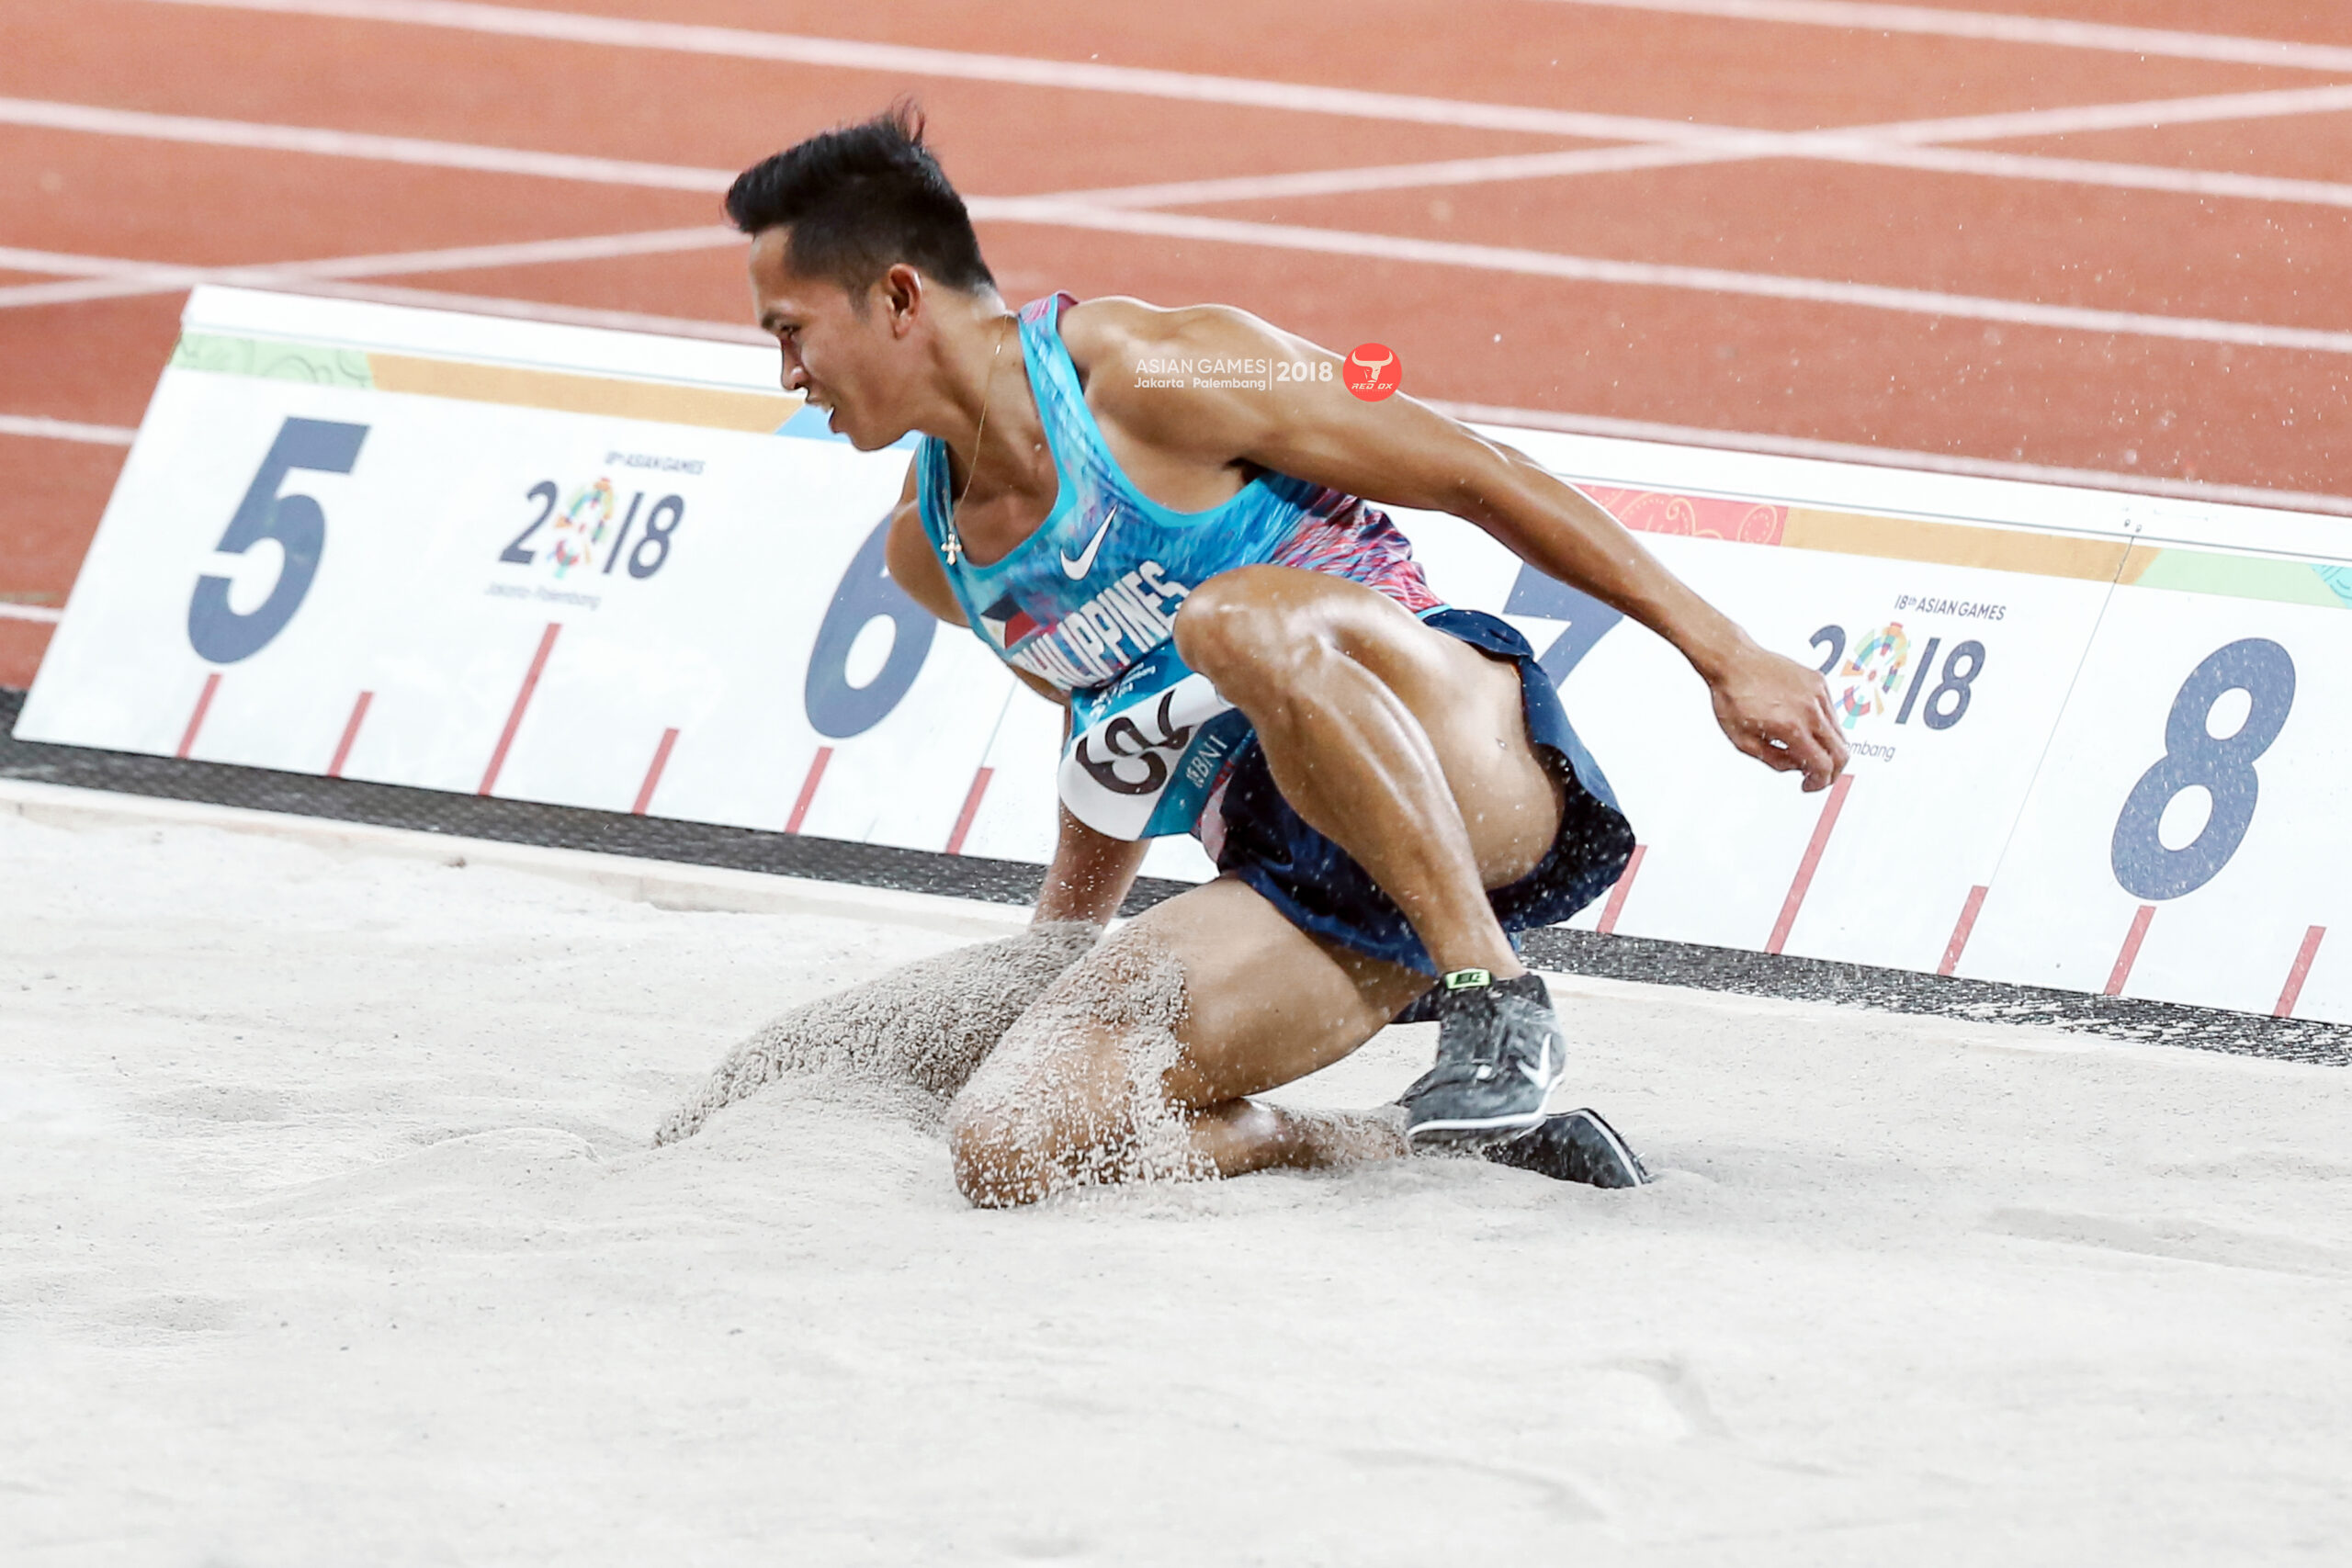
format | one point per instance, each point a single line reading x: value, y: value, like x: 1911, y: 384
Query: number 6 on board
x: 296, y: 522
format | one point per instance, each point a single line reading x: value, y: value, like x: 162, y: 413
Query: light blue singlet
x: 1088, y: 601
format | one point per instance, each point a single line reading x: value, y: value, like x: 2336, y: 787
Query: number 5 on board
x: 296, y: 522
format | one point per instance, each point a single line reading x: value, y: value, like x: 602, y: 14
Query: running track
x: 2107, y: 236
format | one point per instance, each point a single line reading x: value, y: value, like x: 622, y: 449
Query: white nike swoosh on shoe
x: 1541, y: 1073
x: 1085, y: 561
x: 1518, y: 1121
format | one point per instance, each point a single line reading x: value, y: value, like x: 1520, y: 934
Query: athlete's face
x: 852, y: 364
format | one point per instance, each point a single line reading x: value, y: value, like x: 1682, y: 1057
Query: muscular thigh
x: 1265, y: 1002
x: 1470, y: 705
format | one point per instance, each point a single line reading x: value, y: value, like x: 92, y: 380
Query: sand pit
x: 333, y: 1234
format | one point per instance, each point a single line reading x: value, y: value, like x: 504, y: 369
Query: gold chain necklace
x: 952, y: 546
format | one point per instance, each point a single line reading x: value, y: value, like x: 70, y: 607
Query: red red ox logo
x: 1372, y: 372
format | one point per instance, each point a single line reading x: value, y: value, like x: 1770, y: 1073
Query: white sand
x: 331, y: 1236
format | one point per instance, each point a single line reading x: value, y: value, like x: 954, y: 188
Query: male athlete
x: 1248, y: 652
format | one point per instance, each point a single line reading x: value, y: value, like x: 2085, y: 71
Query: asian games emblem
x: 1872, y: 672
x: 581, y: 525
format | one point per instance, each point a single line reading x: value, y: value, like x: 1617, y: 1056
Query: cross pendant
x: 953, y: 549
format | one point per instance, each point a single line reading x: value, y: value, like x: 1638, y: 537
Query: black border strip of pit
x: 1016, y: 882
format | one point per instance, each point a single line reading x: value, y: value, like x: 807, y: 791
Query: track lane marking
x: 2090, y: 172
x: 537, y: 310
x: 1053, y: 212
x: 907, y: 60
x: 102, y: 277
x: 1049, y: 212
x: 1912, y: 144
x: 2139, y: 114
x: 95, y: 119
x: 742, y: 43
x: 1843, y: 149
x: 1919, y: 144
x: 34, y: 427
x: 2001, y: 28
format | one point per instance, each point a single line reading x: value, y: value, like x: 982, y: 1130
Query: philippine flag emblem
x: 1007, y: 621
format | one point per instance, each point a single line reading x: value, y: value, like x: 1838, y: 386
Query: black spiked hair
x: 860, y: 198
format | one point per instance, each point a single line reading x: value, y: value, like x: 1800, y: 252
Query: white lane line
x: 2048, y: 31
x: 90, y: 120
x: 1855, y: 148
x: 104, y: 277
x: 1896, y: 145
x: 534, y: 310
x: 2113, y: 176
x: 2141, y: 115
x: 30, y: 612
x: 1400, y: 176
x: 1708, y: 280
x: 1088, y: 76
x: 904, y: 60
x: 156, y: 280
x: 1689, y: 145
x: 19, y: 258
x: 1890, y: 457
x: 528, y: 253
x: 39, y: 429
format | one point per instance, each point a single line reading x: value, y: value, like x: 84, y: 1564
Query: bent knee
x: 996, y: 1168
x: 1250, y: 617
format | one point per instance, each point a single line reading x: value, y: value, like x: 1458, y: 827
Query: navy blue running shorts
x: 1319, y: 887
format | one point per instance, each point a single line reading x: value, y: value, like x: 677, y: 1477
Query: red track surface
x: 2132, y: 403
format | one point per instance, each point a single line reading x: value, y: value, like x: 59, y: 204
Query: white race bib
x: 1145, y: 750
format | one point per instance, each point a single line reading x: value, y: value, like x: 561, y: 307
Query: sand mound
x: 927, y: 1024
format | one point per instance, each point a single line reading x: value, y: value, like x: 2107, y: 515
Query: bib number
x: 1123, y: 739
x: 1142, y: 768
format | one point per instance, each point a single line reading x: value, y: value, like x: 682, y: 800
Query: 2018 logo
x: 579, y: 531
x: 1868, y: 681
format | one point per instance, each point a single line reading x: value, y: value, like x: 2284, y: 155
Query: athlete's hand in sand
x: 1778, y: 712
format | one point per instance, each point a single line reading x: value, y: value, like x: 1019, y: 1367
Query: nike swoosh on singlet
x: 1085, y: 561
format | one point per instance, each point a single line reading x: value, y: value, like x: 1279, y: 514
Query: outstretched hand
x: 1778, y: 712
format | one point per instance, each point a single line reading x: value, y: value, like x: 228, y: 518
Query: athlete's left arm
x: 1402, y: 453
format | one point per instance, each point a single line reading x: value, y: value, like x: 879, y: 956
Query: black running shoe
x: 1498, y: 1053
x: 1575, y: 1145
